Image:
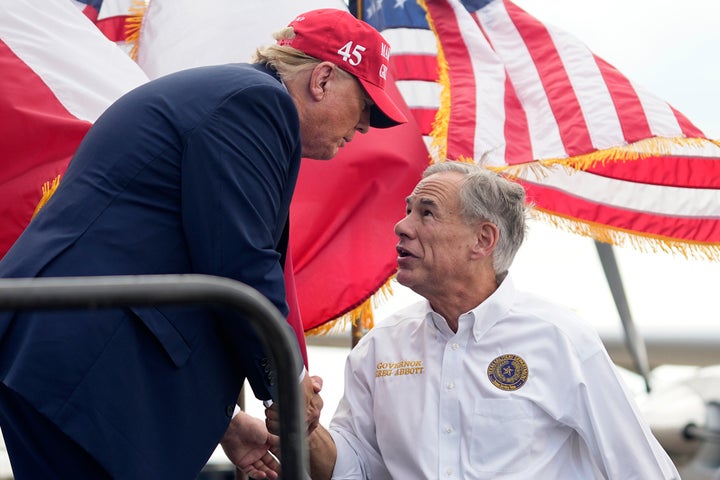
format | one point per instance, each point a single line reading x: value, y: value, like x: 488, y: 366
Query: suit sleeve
x: 238, y: 173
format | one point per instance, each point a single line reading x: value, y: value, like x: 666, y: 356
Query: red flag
x: 342, y: 219
x: 58, y: 74
x: 31, y: 118
x: 597, y: 153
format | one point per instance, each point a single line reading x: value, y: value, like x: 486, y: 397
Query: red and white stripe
x: 671, y: 199
x: 543, y: 94
x: 413, y: 57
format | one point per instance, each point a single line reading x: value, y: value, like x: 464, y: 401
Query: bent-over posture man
x: 190, y: 173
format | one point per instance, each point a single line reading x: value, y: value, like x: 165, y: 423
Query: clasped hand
x: 254, y: 446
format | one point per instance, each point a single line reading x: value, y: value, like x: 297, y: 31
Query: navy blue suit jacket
x: 189, y: 173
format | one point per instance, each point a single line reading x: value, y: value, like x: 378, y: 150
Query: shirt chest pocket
x: 502, y: 435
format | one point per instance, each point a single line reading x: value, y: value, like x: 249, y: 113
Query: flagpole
x: 633, y: 340
x: 357, y: 331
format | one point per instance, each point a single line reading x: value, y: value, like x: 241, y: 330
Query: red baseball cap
x: 336, y: 36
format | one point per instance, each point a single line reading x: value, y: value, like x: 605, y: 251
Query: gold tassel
x: 643, y: 149
x: 133, y: 24
x: 48, y: 188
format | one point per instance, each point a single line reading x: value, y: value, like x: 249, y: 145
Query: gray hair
x: 488, y: 196
x: 287, y: 61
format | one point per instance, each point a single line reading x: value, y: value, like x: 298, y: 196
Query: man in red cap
x: 354, y: 46
x: 189, y: 173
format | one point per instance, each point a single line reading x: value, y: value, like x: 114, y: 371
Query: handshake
x: 253, y: 445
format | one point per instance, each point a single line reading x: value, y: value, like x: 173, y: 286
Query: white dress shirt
x: 523, y: 390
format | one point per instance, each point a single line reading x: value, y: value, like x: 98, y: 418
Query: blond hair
x: 287, y: 61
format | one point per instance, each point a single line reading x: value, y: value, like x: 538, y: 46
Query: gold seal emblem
x: 508, y: 372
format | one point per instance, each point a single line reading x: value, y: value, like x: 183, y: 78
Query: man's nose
x: 363, y: 125
x: 401, y: 228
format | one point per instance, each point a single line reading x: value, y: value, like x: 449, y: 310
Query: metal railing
x: 135, y: 290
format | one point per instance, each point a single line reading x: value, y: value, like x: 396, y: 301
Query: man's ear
x: 487, y: 235
x: 319, y: 78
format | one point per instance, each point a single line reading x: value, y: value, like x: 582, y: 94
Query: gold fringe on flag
x: 625, y: 238
x: 361, y: 316
x: 48, y: 188
x: 133, y: 25
x: 646, y: 148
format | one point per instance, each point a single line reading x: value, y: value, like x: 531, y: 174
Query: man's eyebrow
x: 422, y: 200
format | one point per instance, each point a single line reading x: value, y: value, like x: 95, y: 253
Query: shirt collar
x: 486, y: 314
x: 494, y: 307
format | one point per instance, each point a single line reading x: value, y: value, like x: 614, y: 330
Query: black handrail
x: 131, y: 290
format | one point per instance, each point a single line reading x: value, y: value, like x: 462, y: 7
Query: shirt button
x: 454, y: 346
x: 448, y: 429
x: 450, y: 385
x: 449, y: 472
x: 229, y: 410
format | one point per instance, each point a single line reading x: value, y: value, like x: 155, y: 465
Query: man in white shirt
x: 480, y: 380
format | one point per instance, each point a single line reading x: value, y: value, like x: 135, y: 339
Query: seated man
x: 480, y: 380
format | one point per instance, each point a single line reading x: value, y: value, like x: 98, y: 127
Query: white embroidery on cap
x: 352, y: 54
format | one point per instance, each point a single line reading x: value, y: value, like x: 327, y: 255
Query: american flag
x: 598, y: 154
